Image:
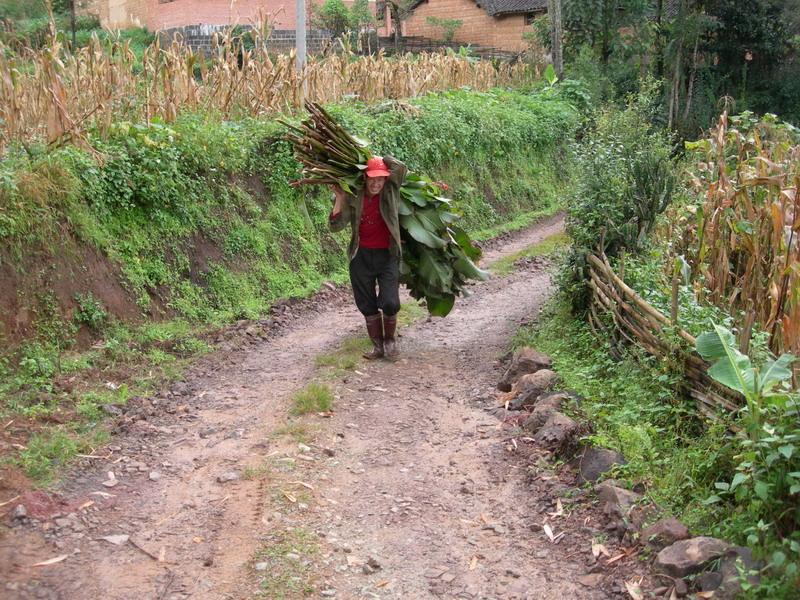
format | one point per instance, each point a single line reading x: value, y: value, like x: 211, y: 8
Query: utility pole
x: 72, y: 22
x: 300, y: 34
x: 556, y: 36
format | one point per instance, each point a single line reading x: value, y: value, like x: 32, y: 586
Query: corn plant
x: 743, y: 240
x: 56, y: 96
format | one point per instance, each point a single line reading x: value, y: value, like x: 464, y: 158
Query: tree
x: 600, y: 23
x: 360, y: 15
x: 332, y: 15
x: 449, y: 27
x: 400, y: 10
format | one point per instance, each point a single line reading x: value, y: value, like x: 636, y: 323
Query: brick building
x: 495, y: 23
x: 159, y: 15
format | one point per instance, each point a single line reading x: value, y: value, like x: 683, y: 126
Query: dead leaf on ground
x: 559, y: 509
x: 704, y: 594
x: 102, y: 494
x: 673, y: 595
x: 598, y: 549
x: 289, y: 497
x: 304, y: 484
x: 634, y: 590
x: 549, y: 532
x: 381, y: 584
x: 51, y: 561
x: 117, y: 540
x: 473, y: 563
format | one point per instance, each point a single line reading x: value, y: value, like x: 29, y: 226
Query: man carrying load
x: 375, y: 249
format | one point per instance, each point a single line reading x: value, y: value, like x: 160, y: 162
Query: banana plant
x: 736, y: 371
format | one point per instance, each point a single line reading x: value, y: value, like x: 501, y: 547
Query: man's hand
x: 338, y: 199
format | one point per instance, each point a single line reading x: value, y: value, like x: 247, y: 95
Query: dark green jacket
x: 390, y: 199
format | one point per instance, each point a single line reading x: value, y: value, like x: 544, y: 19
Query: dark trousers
x: 372, y: 266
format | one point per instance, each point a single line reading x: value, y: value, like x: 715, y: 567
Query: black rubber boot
x: 390, y: 348
x: 375, y: 331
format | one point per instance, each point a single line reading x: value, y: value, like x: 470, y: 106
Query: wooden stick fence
x: 638, y: 323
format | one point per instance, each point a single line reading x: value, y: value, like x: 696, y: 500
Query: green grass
x: 315, y: 397
x: 49, y: 450
x: 347, y: 356
x: 410, y: 313
x: 300, y: 432
x: 546, y: 247
x: 290, y: 554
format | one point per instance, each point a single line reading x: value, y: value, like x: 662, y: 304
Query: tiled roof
x: 501, y: 7
x: 506, y: 7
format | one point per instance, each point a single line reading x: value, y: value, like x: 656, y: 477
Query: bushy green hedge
x: 154, y: 196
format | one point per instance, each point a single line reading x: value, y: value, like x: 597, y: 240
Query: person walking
x: 375, y: 249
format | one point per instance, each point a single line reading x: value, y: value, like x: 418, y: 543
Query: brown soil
x: 62, y: 271
x: 409, y: 489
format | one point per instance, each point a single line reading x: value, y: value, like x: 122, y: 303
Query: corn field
x: 743, y: 241
x: 53, y: 95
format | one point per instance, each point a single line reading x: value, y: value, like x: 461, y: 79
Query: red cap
x: 376, y: 167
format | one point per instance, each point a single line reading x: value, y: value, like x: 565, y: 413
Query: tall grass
x: 53, y: 95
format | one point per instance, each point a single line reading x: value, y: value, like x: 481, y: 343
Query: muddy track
x: 409, y: 489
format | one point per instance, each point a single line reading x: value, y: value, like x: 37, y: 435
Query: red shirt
x: 372, y: 231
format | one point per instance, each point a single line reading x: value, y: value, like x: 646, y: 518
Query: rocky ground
x: 417, y: 484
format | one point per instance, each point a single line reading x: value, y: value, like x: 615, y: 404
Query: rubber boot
x: 375, y: 331
x: 389, y: 343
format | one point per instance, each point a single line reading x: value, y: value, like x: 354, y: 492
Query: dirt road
x: 409, y: 489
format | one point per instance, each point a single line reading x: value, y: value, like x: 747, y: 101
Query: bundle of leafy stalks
x: 437, y: 255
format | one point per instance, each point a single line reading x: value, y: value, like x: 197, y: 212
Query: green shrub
x: 626, y: 178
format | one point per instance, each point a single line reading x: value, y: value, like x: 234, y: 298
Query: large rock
x: 525, y: 360
x: 558, y: 432
x: 539, y: 416
x: 665, y: 533
x: 593, y: 462
x: 615, y: 500
x: 529, y: 387
x: 689, y: 556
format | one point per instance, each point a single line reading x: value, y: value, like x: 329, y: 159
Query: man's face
x: 375, y: 185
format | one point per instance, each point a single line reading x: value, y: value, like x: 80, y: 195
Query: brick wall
x: 478, y: 27
x: 159, y: 15
x: 119, y: 13
x: 199, y: 38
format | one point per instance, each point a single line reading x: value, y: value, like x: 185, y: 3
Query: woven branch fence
x: 638, y: 323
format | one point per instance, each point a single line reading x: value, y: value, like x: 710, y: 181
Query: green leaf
x: 787, y: 451
x: 712, y: 500
x: 418, y: 231
x: 440, y: 306
x: 468, y: 269
x: 550, y: 75
x: 761, y: 489
x: 465, y: 243
x: 430, y: 219
x: 403, y: 208
x: 731, y: 368
x: 776, y: 371
x: 793, y: 489
x: 438, y: 275
x: 738, y: 479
